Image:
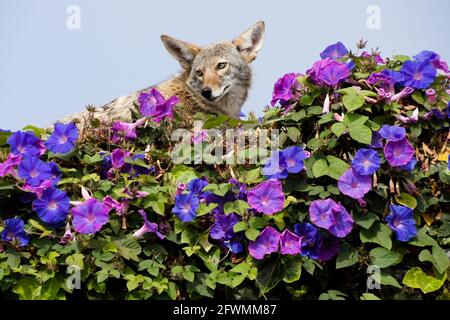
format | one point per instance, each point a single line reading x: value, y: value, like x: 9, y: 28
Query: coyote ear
x: 251, y: 41
x: 182, y: 51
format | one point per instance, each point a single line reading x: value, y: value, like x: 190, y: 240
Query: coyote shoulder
x: 214, y: 79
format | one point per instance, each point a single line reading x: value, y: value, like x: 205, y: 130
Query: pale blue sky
x: 48, y: 71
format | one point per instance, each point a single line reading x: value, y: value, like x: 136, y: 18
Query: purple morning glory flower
x: 118, y: 158
x: 334, y: 51
x: 392, y: 133
x: 328, y: 71
x: 377, y: 140
x: 196, y: 186
x: 281, y: 163
x: 90, y: 216
x: 148, y: 227
x: 366, y: 162
x: 52, y: 207
x: 354, y: 185
x: 14, y: 232
x: 275, y: 167
x: 26, y: 144
x: 433, y: 58
x: 286, y: 89
x: 342, y: 222
x: 266, y: 243
x: 398, y: 152
x: 401, y: 221
x: 329, y: 248
x: 154, y: 105
x: 8, y: 166
x: 410, y: 165
x: 290, y: 243
x: 55, y: 172
x: 321, y: 212
x: 436, y: 113
x: 134, y: 169
x: 239, y: 189
x: 267, y: 197
x: 293, y: 158
x: 418, y: 74
x: 222, y: 229
x: 186, y: 206
x: 311, y: 239
x: 314, y: 244
x: 34, y: 171
x: 63, y: 138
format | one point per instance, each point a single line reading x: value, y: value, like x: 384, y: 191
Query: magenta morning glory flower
x: 398, y: 152
x: 321, y: 212
x: 286, y: 89
x: 9, y: 165
x: 354, y: 185
x: 52, y: 206
x: 118, y: 158
x: 120, y: 207
x: 266, y: 243
x: 153, y: 104
x: 401, y: 221
x: 125, y: 131
x: 433, y: 58
x: 366, y: 162
x: 290, y: 243
x: 405, y: 92
x: 392, y: 133
x: 90, y: 216
x: 378, y: 59
x: 332, y: 216
x: 26, y: 144
x: 34, y: 171
x: 267, y: 197
x: 148, y: 227
x: 63, y: 138
x: 186, y: 206
x: 328, y: 71
x: 14, y: 232
x: 418, y: 74
x: 342, y: 222
x: 334, y: 51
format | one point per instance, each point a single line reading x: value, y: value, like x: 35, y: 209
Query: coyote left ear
x: 251, y: 41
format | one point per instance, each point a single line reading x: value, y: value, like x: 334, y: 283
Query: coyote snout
x: 214, y: 78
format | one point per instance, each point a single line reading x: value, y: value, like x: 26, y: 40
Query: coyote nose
x: 207, y: 92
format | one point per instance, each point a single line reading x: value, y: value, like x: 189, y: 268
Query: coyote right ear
x: 182, y: 51
x: 250, y: 42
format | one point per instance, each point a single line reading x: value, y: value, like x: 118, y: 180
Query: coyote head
x: 220, y: 69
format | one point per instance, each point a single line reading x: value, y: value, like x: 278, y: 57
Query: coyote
x: 214, y: 79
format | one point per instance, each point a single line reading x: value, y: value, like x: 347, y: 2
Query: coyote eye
x: 199, y: 73
x: 221, y: 65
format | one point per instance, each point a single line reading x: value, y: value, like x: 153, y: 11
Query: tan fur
x: 230, y: 84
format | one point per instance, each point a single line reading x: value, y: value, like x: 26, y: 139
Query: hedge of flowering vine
x: 355, y: 204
